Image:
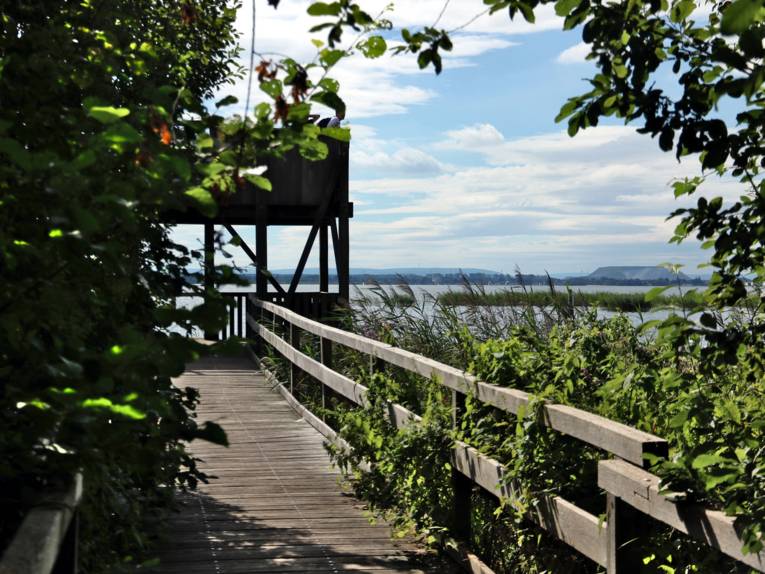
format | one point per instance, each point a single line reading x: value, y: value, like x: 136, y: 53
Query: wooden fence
x: 630, y: 490
x: 46, y: 541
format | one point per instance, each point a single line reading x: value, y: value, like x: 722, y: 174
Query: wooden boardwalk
x: 277, y: 505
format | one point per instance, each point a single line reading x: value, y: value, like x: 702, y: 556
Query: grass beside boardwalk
x: 627, y: 302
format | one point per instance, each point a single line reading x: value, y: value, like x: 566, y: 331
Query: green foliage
x: 625, y: 302
x: 96, y: 140
x: 409, y: 468
x: 670, y: 66
x: 103, y: 128
x: 605, y: 366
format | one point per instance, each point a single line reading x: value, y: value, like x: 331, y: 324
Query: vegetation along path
x: 275, y: 504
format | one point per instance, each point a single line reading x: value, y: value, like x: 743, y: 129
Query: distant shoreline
x: 482, y: 279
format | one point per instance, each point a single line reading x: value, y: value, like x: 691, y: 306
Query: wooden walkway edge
x: 276, y: 504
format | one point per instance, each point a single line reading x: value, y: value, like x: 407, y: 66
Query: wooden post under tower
x: 307, y: 193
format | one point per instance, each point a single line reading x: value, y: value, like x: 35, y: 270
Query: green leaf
x: 329, y: 99
x: 527, y: 11
x: 568, y: 108
x: 104, y: 403
x: 705, y: 460
x: 711, y: 482
x: 204, y: 200
x: 731, y: 410
x: 330, y: 57
x: 227, y: 101
x: 656, y: 292
x: 330, y: 85
x: 621, y: 71
x: 258, y: 181
x: 313, y: 149
x: 340, y: 134
x: 16, y: 152
x: 739, y: 15
x: 324, y: 9
x: 681, y: 10
x: 181, y: 166
x: 685, y: 186
x: 374, y: 47
x: 85, y: 159
x: 272, y: 87
x: 107, y: 114
x: 120, y: 136
x: 565, y: 7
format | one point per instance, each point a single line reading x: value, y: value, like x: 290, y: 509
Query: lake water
x: 423, y: 292
x: 435, y: 290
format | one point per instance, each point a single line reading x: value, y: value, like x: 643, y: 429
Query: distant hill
x: 612, y: 275
x: 635, y: 273
x: 398, y: 271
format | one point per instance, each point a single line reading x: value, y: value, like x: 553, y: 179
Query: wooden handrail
x: 37, y: 543
x: 621, y: 440
x: 571, y: 524
x: 625, y: 482
x: 640, y: 489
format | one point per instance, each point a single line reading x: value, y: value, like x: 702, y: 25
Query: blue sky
x: 469, y: 169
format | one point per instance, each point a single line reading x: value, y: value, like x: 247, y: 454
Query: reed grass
x: 625, y: 302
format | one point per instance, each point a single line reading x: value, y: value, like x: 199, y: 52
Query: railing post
x: 259, y: 345
x: 326, y: 360
x: 462, y: 486
x: 241, y: 301
x: 623, y: 523
x: 66, y: 562
x: 375, y: 364
x: 209, y: 269
x: 295, y: 343
x: 231, y: 331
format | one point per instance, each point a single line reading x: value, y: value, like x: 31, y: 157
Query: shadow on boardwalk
x: 276, y: 505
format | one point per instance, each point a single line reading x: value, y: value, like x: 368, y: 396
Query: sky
x: 469, y: 168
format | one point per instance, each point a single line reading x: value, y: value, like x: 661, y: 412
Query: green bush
x: 95, y: 143
x: 607, y: 366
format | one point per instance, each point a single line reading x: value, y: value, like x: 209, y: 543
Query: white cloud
x: 574, y: 55
x: 376, y: 87
x: 406, y: 160
x: 543, y: 202
x: 476, y: 136
x: 546, y: 201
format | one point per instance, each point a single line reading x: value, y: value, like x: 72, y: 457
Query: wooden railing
x: 46, y: 541
x: 315, y: 304
x: 236, y: 326
x: 630, y: 490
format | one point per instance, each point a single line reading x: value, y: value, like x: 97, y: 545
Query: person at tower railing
x: 334, y: 121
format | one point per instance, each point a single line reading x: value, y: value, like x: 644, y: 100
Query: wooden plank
x: 624, y: 441
x: 337, y: 382
x: 640, y: 489
x: 468, y: 561
x: 35, y: 546
x: 577, y: 528
x: 276, y: 503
